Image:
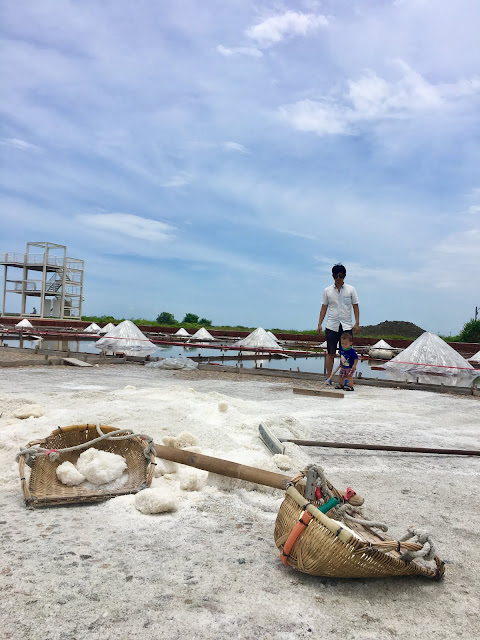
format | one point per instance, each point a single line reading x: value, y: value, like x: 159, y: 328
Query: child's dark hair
x: 347, y: 335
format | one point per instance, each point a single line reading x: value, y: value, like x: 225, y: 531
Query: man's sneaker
x: 327, y: 381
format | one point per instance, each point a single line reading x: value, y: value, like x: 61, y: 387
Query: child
x: 348, y: 362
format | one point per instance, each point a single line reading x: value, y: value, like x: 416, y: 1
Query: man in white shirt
x: 339, y: 299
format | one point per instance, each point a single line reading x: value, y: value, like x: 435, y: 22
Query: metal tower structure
x: 46, y: 278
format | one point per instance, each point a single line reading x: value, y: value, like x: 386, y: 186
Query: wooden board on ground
x: 77, y: 363
x: 319, y: 392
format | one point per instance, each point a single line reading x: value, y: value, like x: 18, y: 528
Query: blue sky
x: 219, y: 157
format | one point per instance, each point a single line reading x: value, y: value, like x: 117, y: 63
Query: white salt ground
x: 211, y: 569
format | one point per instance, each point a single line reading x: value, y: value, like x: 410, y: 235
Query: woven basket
x: 325, y: 549
x: 44, y: 489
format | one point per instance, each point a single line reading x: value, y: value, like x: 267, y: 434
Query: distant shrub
x: 190, y: 317
x: 470, y: 331
x: 166, y: 318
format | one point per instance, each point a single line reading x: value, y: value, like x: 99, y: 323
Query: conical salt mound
x: 202, y: 334
x: 107, y: 328
x: 128, y: 339
x: 430, y: 354
x: 258, y: 339
x: 182, y: 332
x: 24, y: 324
x: 92, y: 328
x: 272, y: 336
x: 475, y: 358
x: 381, y: 344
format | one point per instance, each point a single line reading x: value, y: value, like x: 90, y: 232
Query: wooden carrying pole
x: 223, y: 467
x: 380, y: 447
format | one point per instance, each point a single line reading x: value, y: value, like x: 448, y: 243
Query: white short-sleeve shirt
x: 339, y: 306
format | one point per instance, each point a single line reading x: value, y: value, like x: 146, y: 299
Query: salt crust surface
x: 212, y: 565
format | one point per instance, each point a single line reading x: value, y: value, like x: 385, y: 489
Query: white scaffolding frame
x: 59, y: 286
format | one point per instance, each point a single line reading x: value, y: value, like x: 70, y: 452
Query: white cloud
x: 229, y: 52
x: 278, y: 27
x: 129, y: 225
x: 17, y: 143
x: 372, y: 98
x: 322, y: 118
x: 177, y: 180
x: 235, y: 146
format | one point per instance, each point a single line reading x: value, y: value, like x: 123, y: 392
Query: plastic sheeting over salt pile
x: 92, y: 328
x: 182, y: 332
x: 24, y: 324
x: 202, y: 334
x: 430, y: 354
x: 258, y: 338
x: 127, y: 338
x: 107, y: 328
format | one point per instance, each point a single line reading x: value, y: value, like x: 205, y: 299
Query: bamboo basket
x: 44, y: 489
x: 326, y: 549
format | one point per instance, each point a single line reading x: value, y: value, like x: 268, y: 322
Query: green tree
x: 470, y: 331
x: 191, y: 318
x: 166, y: 318
x: 205, y: 322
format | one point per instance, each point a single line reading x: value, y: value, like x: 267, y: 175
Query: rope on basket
x: 342, y: 515
x: 344, y: 512
x: 31, y: 453
x: 421, y: 536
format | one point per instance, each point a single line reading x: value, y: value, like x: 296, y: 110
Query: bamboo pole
x: 223, y: 467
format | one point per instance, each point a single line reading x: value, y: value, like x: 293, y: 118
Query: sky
x: 219, y: 157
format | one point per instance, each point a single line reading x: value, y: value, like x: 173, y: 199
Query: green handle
x: 329, y: 505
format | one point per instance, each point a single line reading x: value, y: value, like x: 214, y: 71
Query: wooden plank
x: 318, y: 392
x: 76, y: 363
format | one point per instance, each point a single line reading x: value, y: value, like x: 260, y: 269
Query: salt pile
x: 68, y: 474
x: 92, y: 328
x: 258, y: 339
x: 107, y: 328
x: 182, y: 332
x: 475, y: 357
x: 100, y: 467
x: 179, y: 362
x: 381, y: 344
x: 158, y: 500
x: 128, y: 339
x: 24, y: 324
x: 203, y: 334
x: 430, y: 354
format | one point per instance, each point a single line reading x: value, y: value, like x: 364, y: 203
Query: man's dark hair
x: 338, y: 268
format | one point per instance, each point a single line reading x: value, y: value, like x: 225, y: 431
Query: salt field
x: 108, y: 571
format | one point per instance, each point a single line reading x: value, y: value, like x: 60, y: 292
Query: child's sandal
x: 339, y: 386
x: 347, y: 387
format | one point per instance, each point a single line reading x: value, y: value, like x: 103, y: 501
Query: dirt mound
x: 392, y: 328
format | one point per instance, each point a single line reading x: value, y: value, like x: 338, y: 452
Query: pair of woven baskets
x: 324, y: 548
x: 44, y: 489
